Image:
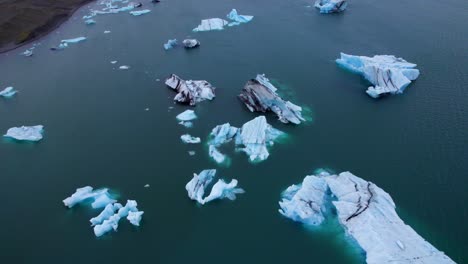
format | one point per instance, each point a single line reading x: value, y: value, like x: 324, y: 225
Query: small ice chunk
x: 135, y: 217
x: 28, y: 52
x: 191, y: 43
x: 124, y: 67
x: 108, y: 211
x: 27, y: 133
x: 98, y: 197
x: 90, y: 21
x: 331, y: 6
x: 107, y: 31
x: 222, y: 190
x: 170, y: 44
x: 190, y: 92
x: 147, y: 109
x: 113, y: 62
x: 191, y: 152
x: 211, y: 24
x: 8, y: 92
x: 187, y: 115
x: 196, y: 187
x: 146, y: 186
x: 238, y: 19
x: 64, y: 43
x: 140, y: 12
x: 189, y: 139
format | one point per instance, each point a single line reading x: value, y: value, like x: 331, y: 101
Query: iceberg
x: 90, y: 21
x: 140, y: 12
x: 135, y: 217
x: 124, y: 67
x: 108, y: 211
x: 197, y: 186
x: 186, y: 118
x: 112, y: 222
x: 190, y: 92
x: 260, y: 95
x: 253, y: 138
x: 189, y: 139
x: 331, y: 6
x: 238, y: 19
x: 100, y: 198
x: 191, y: 43
x: 367, y: 214
x: 8, y: 92
x: 170, y: 44
x: 388, y: 74
x: 25, y: 133
x: 211, y: 24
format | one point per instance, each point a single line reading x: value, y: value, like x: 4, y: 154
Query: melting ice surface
x: 8, y: 92
x: 190, y: 92
x: 331, y: 6
x: 99, y: 198
x: 112, y: 222
x: 170, y: 44
x: 253, y: 138
x: 25, y: 133
x: 388, y: 74
x: 218, y: 23
x: 140, y: 12
x: 367, y: 214
x: 197, y: 186
x: 189, y: 139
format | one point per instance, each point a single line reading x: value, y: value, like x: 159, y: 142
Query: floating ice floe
x: 146, y: 186
x: 170, y: 44
x: 98, y: 198
x: 108, y: 211
x: 129, y: 211
x: 90, y: 21
x: 191, y: 152
x: 191, y: 43
x: 197, y: 186
x: 135, y: 217
x: 237, y: 19
x: 367, y: 214
x: 260, y: 95
x: 140, y: 12
x: 331, y: 6
x: 107, y: 31
x: 253, y: 138
x: 64, y: 42
x: 8, y: 92
x: 190, y: 92
x: 124, y: 67
x: 186, y: 138
x: 211, y: 24
x: 186, y: 118
x: 388, y: 74
x: 25, y: 133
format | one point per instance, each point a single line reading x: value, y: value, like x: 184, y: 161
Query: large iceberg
x: 98, y: 198
x: 8, y: 92
x: 253, y: 138
x: 260, y: 95
x: 388, y: 74
x: 26, y: 133
x: 211, y: 24
x: 190, y: 92
x: 367, y: 214
x: 331, y: 6
x: 197, y: 186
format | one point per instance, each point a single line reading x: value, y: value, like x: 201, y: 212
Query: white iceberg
x: 331, y: 6
x: 135, y: 217
x: 100, y: 198
x: 211, y: 24
x: 238, y: 19
x: 170, y: 44
x: 388, y: 74
x: 186, y: 118
x: 260, y: 95
x: 190, y: 92
x: 191, y: 43
x: 8, y: 92
x: 186, y: 138
x: 26, y: 133
x: 140, y: 12
x: 367, y: 214
x: 253, y: 138
x: 112, y: 223
x: 107, y: 31
x: 197, y: 186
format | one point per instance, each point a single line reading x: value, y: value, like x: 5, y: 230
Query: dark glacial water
x: 98, y: 133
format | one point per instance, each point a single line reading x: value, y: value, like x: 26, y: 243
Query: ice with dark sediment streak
x: 98, y: 198
x: 237, y: 19
x: 331, y: 6
x: 260, y: 95
x: 388, y: 74
x: 191, y: 43
x: 197, y: 186
x: 190, y: 92
x: 253, y: 138
x: 8, y: 92
x: 25, y: 133
x: 367, y: 214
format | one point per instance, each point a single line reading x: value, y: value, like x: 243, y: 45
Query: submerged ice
x: 253, y: 138
x: 197, y: 186
x: 388, y: 74
x: 190, y: 92
x: 331, y: 6
x: 260, y: 95
x: 367, y: 214
x: 25, y: 133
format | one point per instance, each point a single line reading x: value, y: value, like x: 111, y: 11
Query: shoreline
x: 41, y: 31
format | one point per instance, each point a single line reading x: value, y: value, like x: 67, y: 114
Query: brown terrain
x: 22, y: 21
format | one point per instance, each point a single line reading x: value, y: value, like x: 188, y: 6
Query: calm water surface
x: 98, y: 133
